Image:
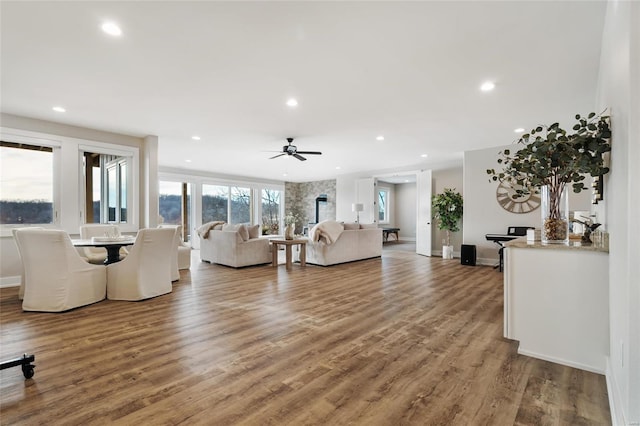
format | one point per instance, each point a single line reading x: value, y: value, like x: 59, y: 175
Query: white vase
x: 447, y: 252
x: 289, y: 232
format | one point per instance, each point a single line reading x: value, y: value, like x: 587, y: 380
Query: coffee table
x: 301, y: 242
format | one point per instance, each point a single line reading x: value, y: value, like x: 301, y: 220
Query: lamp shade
x: 357, y: 207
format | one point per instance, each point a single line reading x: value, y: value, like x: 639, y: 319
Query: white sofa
x: 352, y: 244
x: 229, y: 247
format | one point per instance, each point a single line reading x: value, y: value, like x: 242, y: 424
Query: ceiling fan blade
x: 310, y: 152
x: 300, y: 157
x: 276, y: 156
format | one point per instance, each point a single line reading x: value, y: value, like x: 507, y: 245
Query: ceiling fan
x: 293, y: 150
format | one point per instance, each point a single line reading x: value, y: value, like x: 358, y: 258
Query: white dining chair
x: 98, y: 255
x: 146, y: 271
x: 181, y: 258
x: 56, y: 277
x: 13, y: 232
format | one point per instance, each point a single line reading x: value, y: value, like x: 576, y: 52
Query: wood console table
x: 302, y: 243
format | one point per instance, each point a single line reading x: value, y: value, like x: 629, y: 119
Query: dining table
x: 111, y: 245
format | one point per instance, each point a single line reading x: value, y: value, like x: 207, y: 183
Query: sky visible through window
x: 26, y: 175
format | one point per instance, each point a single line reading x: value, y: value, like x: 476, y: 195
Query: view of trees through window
x: 228, y: 204
x: 26, y: 184
x: 170, y: 204
x: 270, y: 211
x: 383, y: 201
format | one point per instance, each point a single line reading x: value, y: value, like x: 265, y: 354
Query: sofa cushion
x: 351, y: 226
x: 254, y: 231
x: 368, y: 226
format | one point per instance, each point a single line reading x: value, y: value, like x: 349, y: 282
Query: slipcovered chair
x: 56, y: 277
x: 181, y: 258
x: 13, y: 232
x: 98, y: 255
x: 146, y: 271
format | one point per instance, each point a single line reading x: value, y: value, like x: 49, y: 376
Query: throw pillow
x: 239, y: 228
x: 254, y: 231
x: 368, y: 226
x: 351, y: 226
x: 244, y: 232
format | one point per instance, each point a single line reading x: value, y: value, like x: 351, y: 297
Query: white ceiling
x: 410, y: 71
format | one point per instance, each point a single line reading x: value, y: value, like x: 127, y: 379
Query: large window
x: 215, y: 203
x: 230, y: 204
x: 271, y: 211
x: 175, y: 204
x: 383, y: 205
x: 26, y: 184
x: 240, y: 205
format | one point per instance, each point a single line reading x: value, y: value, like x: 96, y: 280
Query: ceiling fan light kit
x: 292, y: 150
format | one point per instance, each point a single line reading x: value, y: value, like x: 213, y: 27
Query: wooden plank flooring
x: 399, y: 340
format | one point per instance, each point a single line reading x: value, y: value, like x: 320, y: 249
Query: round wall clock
x: 523, y: 204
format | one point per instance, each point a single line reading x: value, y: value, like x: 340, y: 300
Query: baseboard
x: 561, y: 361
x: 10, y: 281
x: 615, y: 404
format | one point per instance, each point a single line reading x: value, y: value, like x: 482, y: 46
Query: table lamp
x: 357, y: 207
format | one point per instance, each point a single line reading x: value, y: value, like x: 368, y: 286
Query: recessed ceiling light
x: 424, y: 156
x: 338, y: 167
x: 519, y: 130
x: 380, y: 138
x: 59, y: 109
x: 112, y: 29
x: 406, y: 181
x: 187, y: 161
x: 292, y: 102
x: 195, y: 138
x: 284, y: 174
x: 487, y: 86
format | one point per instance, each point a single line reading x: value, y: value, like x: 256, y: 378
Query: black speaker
x: 468, y: 255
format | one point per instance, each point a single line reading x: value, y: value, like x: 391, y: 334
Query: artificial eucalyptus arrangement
x: 447, y: 210
x: 553, y: 158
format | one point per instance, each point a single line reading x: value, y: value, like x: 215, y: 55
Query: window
x: 106, y: 187
x: 271, y: 211
x: 215, y: 203
x: 175, y: 204
x: 240, y: 205
x: 383, y: 205
x: 26, y: 184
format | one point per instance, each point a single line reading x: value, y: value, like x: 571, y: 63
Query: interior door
x: 423, y: 215
x: 366, y: 195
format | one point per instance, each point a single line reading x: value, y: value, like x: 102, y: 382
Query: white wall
x: 482, y: 213
x: 405, y: 210
x: 619, y: 90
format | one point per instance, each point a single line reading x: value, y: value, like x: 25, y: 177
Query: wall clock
x: 523, y: 204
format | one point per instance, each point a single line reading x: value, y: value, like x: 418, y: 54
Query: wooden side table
x: 302, y: 243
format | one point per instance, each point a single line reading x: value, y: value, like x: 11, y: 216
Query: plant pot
x: 447, y: 252
x: 555, y: 214
x: 289, y: 232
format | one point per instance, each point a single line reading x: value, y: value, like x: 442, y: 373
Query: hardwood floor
x: 403, y: 339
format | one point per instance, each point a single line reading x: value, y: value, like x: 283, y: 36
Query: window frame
x: 55, y: 145
x: 386, y: 210
x: 133, y: 190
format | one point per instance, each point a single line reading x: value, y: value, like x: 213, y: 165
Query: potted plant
x: 447, y: 210
x: 549, y: 160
